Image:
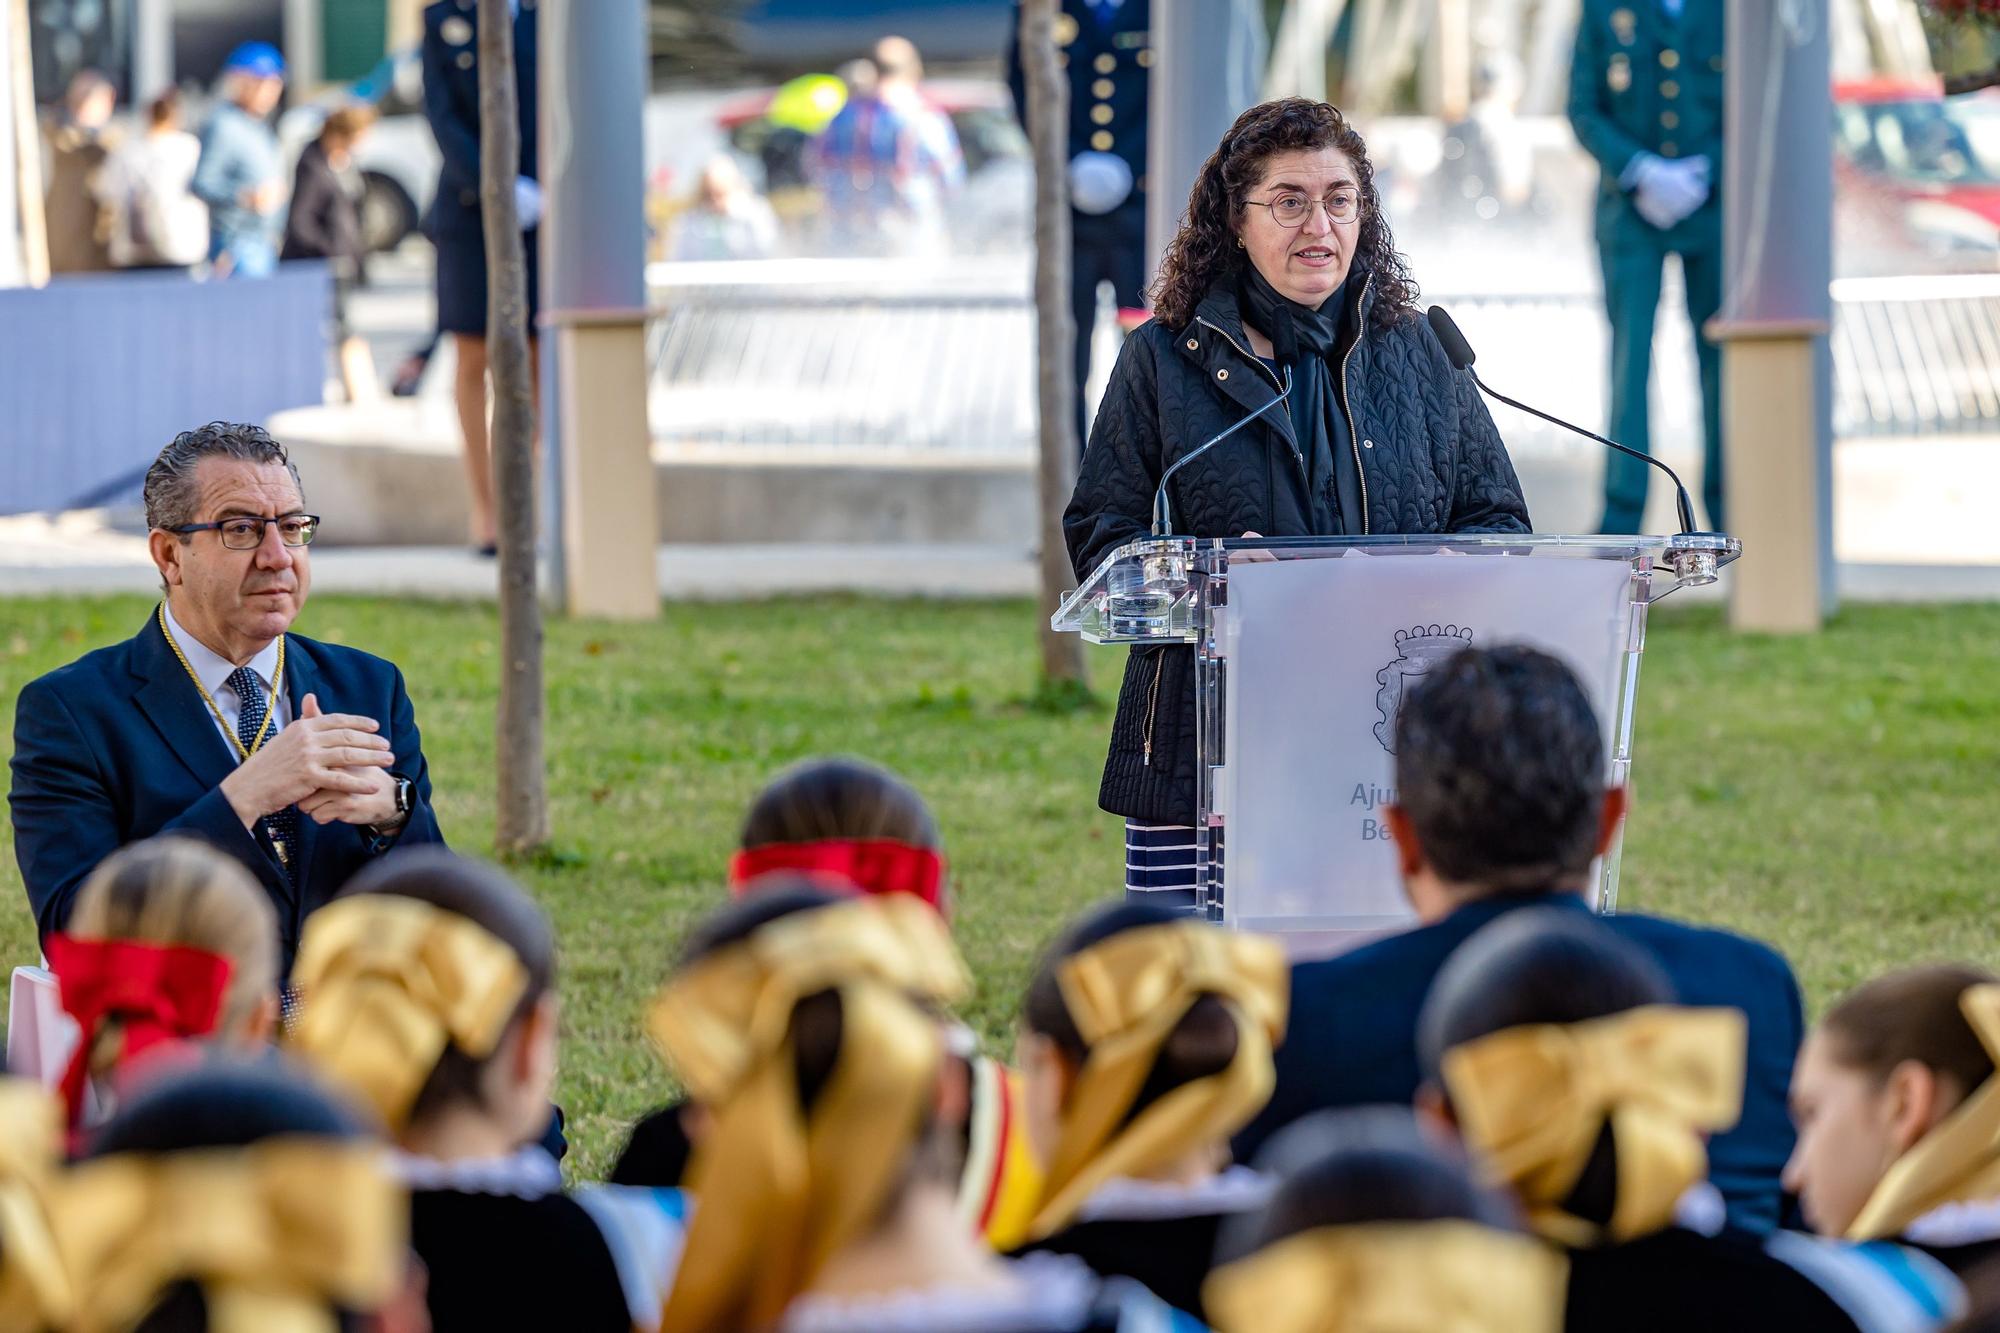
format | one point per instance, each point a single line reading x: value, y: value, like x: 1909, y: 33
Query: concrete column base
x: 609, y: 526
x: 1770, y: 386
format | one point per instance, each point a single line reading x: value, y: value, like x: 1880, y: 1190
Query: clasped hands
x: 1666, y: 190
x: 333, y: 766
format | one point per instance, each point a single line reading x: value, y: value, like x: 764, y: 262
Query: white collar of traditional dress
x: 528, y: 1174
x: 1966, y: 1223
x: 1237, y: 1189
x: 212, y: 669
x: 1052, y: 1292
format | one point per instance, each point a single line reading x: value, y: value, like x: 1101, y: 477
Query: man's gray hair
x: 170, y: 490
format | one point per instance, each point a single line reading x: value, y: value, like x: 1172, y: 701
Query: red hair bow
x: 872, y: 865
x: 162, y: 993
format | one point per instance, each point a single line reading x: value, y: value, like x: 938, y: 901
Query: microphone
x: 1163, y: 517
x: 1459, y: 352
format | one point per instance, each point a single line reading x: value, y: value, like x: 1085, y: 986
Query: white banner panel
x: 1320, y: 653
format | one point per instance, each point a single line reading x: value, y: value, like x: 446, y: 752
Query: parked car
x: 1917, y: 179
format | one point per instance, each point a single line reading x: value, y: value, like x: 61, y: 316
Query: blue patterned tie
x: 281, y: 827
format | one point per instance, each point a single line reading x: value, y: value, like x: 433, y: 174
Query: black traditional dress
x: 1162, y: 1236
x: 1699, y: 1276
x: 506, y: 1247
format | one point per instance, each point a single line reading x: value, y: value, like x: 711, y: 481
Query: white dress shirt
x: 213, y: 670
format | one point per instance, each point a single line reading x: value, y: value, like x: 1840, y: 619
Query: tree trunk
x: 522, y: 824
x: 1055, y: 337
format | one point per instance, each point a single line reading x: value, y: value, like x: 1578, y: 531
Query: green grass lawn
x: 1832, y: 795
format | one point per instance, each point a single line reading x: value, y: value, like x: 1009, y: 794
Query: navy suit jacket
x: 118, y: 746
x: 1109, y: 65
x: 451, y: 104
x: 1353, y: 1032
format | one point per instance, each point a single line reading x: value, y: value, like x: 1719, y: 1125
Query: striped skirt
x: 1160, y: 865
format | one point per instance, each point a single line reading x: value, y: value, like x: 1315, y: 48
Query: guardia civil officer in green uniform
x: 1645, y: 97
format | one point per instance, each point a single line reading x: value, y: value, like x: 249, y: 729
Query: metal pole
x: 1208, y: 66
x: 152, y: 49
x: 594, y: 285
x: 305, y: 33
x: 1776, y: 311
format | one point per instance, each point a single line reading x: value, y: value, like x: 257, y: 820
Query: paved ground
x: 99, y: 552
x: 96, y: 552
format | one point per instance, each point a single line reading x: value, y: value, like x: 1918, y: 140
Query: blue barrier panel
x: 98, y: 372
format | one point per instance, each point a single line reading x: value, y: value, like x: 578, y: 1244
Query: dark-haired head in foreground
x: 1541, y: 972
x: 1555, y: 1049
x: 838, y: 1086
x: 1500, y: 781
x: 1372, y: 1221
x: 428, y: 941
x: 253, y: 1193
x: 1146, y: 1040
x: 848, y: 822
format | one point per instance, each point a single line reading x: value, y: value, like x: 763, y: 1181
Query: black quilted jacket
x: 1430, y: 460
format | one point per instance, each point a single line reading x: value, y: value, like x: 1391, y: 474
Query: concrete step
x: 391, y: 474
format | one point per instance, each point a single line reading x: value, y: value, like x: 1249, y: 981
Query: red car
x: 1916, y: 179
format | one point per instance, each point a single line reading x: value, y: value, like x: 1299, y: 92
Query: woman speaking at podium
x: 1283, y: 273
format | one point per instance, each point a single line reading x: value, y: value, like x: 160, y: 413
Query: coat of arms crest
x: 1418, y: 650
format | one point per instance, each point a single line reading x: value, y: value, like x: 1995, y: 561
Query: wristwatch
x: 405, y: 793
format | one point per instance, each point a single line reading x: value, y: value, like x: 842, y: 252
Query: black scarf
x: 1319, y: 419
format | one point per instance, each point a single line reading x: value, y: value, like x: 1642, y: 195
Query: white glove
x: 1664, y: 191
x: 1692, y: 182
x: 527, y: 202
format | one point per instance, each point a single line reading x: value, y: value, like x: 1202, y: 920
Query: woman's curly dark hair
x: 1205, y: 247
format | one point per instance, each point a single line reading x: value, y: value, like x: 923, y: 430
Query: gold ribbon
x: 35, y: 1289
x: 1959, y: 1160
x: 388, y: 983
x: 1126, y: 995
x: 1392, y: 1277
x: 1532, y: 1101
x: 779, y: 1192
x: 278, y: 1234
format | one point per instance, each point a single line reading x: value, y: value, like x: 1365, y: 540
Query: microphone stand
x: 1681, y: 500
x: 1163, y: 518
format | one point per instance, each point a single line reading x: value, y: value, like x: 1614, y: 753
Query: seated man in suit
x: 301, y: 759
x: 1501, y: 805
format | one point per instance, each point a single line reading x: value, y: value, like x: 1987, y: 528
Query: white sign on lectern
x: 1304, y: 650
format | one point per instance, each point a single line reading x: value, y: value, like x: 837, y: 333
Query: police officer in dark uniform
x: 451, y: 104
x: 1107, y: 52
x: 1645, y: 97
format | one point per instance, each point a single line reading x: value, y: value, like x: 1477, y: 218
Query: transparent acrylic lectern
x: 1304, y: 648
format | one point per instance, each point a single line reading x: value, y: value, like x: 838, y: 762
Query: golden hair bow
x: 1126, y: 995
x: 1959, y: 1160
x: 34, y: 1288
x: 727, y: 1010
x: 1532, y: 1102
x: 779, y: 1190
x: 1446, y: 1276
x: 279, y: 1234
x: 388, y: 984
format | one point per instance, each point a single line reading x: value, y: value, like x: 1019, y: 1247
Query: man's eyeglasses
x: 1292, y: 210
x: 247, y: 534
